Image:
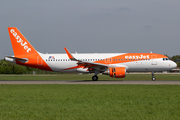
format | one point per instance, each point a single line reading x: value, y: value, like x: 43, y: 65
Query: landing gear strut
x: 95, y: 78
x: 153, y: 78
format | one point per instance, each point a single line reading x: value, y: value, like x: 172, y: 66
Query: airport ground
x: 88, y: 77
x: 94, y: 101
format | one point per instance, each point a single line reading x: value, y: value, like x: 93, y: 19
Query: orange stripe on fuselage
x: 130, y: 57
x: 125, y: 58
x: 75, y: 67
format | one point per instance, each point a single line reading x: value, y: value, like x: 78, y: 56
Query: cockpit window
x: 164, y: 59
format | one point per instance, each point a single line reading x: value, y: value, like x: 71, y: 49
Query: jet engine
x: 116, y: 72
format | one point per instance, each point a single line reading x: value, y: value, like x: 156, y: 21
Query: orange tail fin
x: 20, y: 44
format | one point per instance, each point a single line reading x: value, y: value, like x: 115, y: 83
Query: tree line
x: 12, y: 68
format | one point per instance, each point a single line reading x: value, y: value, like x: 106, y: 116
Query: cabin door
x: 154, y: 60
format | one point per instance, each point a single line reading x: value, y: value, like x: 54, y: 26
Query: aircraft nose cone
x: 173, y: 65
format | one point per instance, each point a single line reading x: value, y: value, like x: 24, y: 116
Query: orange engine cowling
x: 117, y: 72
x: 111, y: 72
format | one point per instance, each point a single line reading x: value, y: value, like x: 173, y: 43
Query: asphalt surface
x: 88, y: 82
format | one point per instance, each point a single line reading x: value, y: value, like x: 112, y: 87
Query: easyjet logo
x: 137, y: 57
x: 20, y: 41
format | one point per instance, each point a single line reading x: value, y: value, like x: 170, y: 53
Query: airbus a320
x: 113, y: 64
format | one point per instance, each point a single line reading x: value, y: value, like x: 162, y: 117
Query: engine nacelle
x: 117, y: 72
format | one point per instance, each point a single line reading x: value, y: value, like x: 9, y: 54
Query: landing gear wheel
x: 153, y: 78
x: 95, y: 78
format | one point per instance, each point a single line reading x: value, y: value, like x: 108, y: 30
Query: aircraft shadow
x: 95, y: 81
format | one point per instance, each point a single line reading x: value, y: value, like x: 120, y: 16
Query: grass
x: 89, y: 77
x: 81, y: 102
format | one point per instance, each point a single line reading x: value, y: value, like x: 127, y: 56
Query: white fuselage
x: 60, y: 62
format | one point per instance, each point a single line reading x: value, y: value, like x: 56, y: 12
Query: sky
x: 93, y: 26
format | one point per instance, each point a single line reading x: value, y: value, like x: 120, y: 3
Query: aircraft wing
x: 86, y: 64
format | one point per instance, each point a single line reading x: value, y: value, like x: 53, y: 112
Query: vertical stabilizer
x: 20, y: 44
x: 24, y: 52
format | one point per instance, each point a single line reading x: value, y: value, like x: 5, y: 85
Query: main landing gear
x: 153, y: 78
x: 95, y: 78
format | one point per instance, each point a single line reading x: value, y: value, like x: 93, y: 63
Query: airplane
x: 113, y: 64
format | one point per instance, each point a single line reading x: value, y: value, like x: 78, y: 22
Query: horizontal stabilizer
x: 13, y: 59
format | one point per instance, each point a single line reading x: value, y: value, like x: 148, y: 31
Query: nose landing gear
x: 153, y: 78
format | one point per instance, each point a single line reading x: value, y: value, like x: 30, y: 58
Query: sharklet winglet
x: 70, y: 55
